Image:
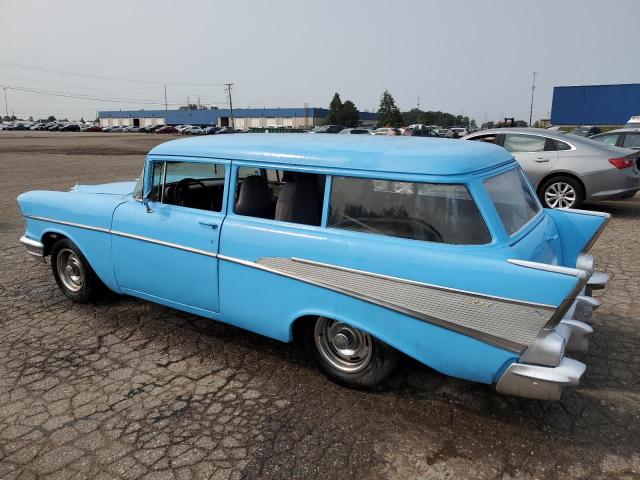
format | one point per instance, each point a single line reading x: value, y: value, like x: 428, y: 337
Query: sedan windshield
x: 515, y: 201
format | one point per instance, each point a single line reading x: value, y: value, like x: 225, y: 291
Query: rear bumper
x: 543, y: 369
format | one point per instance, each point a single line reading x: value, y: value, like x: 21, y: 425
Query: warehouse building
x: 595, y: 104
x: 242, y: 118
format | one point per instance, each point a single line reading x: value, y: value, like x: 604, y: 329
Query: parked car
x: 633, y: 122
x: 445, y: 132
x: 181, y: 128
x: 565, y: 169
x: 458, y: 132
x: 419, y: 132
x: 355, y: 131
x: 622, y: 137
x: 585, y: 131
x: 166, y: 129
x: 387, y: 131
x: 94, y: 128
x: 327, y: 129
x: 226, y: 130
x: 360, y: 274
x: 193, y: 131
x: 70, y: 127
x: 212, y: 130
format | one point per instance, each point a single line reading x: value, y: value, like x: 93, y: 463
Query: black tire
x: 86, y: 286
x: 371, y: 369
x: 561, y: 191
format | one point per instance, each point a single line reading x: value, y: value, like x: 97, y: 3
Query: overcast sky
x: 464, y: 56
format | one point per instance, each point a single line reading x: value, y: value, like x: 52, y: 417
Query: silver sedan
x: 565, y: 169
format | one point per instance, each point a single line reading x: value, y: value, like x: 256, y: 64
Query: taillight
x: 622, y: 162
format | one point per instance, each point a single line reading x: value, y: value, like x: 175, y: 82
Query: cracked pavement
x: 128, y: 389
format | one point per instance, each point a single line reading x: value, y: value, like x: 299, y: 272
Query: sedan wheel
x: 561, y: 192
x: 73, y: 273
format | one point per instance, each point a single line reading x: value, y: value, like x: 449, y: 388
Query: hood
x: 115, y: 188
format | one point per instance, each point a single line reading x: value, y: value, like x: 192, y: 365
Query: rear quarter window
x: 513, y: 198
x: 442, y: 213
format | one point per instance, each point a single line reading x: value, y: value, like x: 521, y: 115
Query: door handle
x: 214, y: 226
x: 542, y: 160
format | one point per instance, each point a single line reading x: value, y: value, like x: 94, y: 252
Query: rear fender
x: 578, y: 230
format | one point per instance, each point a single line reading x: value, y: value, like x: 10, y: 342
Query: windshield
x: 515, y: 201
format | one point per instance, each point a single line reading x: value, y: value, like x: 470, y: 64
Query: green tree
x: 350, y: 117
x: 51, y: 118
x: 487, y: 125
x: 335, y: 111
x: 388, y: 113
x: 30, y: 118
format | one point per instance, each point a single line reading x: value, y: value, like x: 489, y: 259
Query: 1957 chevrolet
x: 365, y: 247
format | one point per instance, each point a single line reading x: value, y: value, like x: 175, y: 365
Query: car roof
x: 437, y: 156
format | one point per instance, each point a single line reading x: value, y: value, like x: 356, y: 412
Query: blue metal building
x: 595, y: 104
x: 243, y: 117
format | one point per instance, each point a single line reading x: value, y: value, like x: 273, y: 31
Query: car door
x: 167, y: 250
x: 535, y: 154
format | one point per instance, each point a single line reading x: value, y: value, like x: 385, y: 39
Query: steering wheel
x: 182, y: 193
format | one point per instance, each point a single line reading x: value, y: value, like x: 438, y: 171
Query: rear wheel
x: 561, y: 192
x: 73, y: 274
x: 347, y: 355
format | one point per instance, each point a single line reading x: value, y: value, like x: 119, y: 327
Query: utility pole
x: 6, y: 108
x: 533, y: 88
x: 165, y: 97
x: 229, y: 86
x: 418, y: 116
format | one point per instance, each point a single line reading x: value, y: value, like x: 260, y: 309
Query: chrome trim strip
x: 165, y: 244
x: 421, y: 284
x: 574, y: 272
x: 567, y: 302
x: 484, y: 337
x: 71, y: 224
x: 127, y: 235
x: 585, y: 212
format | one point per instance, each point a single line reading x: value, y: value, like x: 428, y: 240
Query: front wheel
x: 347, y: 355
x: 561, y: 192
x: 72, y: 272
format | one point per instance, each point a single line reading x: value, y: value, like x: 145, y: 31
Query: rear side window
x: 513, y: 198
x: 431, y: 212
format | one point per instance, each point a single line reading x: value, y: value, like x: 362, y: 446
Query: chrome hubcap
x: 560, y: 195
x: 70, y: 270
x: 346, y: 348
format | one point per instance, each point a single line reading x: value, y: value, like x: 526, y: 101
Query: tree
x: 487, y: 125
x: 388, y: 113
x: 191, y: 106
x: 30, y: 118
x: 51, y: 118
x: 520, y: 124
x: 350, y: 117
x: 335, y: 111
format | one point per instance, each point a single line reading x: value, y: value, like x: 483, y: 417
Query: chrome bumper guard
x: 543, y: 370
x: 34, y: 248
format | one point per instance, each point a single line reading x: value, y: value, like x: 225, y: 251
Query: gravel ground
x: 128, y: 389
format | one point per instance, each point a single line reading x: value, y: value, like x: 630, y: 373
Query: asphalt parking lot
x: 128, y: 389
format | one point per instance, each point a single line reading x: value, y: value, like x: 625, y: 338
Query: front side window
x: 188, y: 184
x: 524, y: 143
x: 513, y: 198
x: 443, y: 213
x: 137, y: 191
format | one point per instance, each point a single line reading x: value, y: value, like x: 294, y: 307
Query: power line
x: 100, y: 77
x: 91, y: 97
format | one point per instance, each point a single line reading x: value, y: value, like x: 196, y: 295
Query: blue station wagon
x: 363, y: 246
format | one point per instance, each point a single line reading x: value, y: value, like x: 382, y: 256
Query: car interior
x: 286, y: 196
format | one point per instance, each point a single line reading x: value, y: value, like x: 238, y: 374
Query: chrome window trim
x: 573, y: 148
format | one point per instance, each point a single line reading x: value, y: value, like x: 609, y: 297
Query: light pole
x: 533, y: 88
x: 6, y: 108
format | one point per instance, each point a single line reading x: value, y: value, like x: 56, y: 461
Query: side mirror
x: 145, y: 202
